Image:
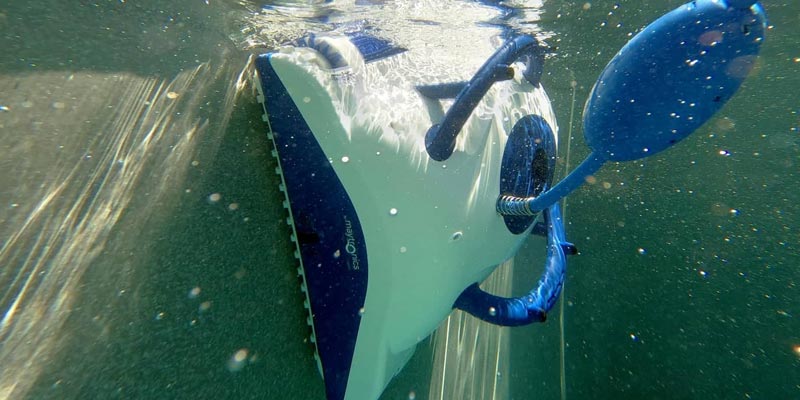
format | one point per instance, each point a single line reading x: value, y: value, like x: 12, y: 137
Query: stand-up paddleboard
x: 405, y: 190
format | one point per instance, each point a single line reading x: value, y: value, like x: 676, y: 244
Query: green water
x: 138, y: 282
x: 713, y: 301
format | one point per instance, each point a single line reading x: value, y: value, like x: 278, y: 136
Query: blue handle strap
x: 533, y: 307
x: 440, y: 140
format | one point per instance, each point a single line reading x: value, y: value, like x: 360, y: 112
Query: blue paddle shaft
x: 665, y: 83
x: 567, y: 185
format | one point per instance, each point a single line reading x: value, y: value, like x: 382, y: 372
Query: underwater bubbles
x: 741, y: 66
x: 238, y: 360
x: 710, y: 38
x: 725, y: 124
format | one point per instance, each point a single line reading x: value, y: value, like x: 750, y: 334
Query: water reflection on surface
x: 94, y: 158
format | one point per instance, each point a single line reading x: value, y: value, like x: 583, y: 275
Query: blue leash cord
x: 532, y: 307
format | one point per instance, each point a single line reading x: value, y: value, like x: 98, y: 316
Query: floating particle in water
x: 204, y: 306
x: 796, y: 349
x: 703, y: 273
x: 720, y: 209
x: 641, y: 251
x: 456, y: 236
x: 587, y: 6
x: 59, y: 105
x: 741, y: 66
x: 725, y: 153
x: 403, y: 249
x: 345, y: 159
x: 392, y: 211
x: 233, y: 206
x: 725, y: 124
x: 412, y: 395
x: 634, y: 337
x: 4, y: 108
x: 172, y: 95
x: 710, y: 38
x: 160, y: 315
x: 238, y: 360
x: 194, y: 292
x: 214, y: 197
x: 195, y: 163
